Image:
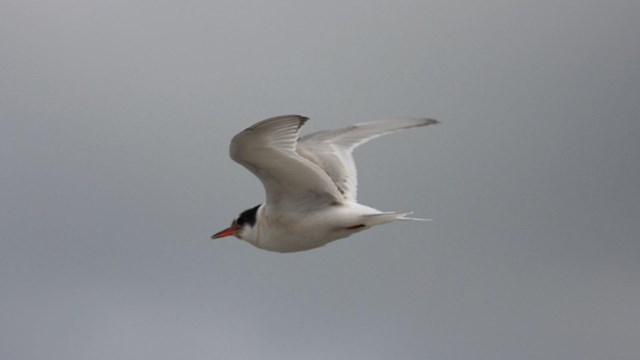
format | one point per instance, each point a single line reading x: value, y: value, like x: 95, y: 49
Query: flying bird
x: 310, y: 183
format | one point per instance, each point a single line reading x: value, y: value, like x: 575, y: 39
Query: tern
x: 310, y: 183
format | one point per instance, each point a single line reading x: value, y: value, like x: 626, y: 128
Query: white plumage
x: 310, y: 183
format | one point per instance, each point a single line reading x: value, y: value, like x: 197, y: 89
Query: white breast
x: 296, y: 231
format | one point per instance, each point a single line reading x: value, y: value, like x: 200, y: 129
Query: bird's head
x: 243, y: 227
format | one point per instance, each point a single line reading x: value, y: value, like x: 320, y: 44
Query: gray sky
x: 115, y: 117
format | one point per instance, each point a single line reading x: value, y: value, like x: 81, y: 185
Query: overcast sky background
x: 115, y: 118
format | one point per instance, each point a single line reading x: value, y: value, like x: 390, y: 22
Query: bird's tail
x: 385, y: 217
x: 403, y: 216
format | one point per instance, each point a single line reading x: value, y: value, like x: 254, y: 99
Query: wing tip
x: 301, y: 121
x: 427, y: 121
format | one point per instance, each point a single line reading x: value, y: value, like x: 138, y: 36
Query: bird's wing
x: 332, y: 150
x: 291, y: 182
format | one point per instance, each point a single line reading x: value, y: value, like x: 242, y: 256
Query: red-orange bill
x: 226, y: 232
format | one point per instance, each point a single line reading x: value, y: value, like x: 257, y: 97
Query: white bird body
x: 310, y: 183
x: 298, y: 231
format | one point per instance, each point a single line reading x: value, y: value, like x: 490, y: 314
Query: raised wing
x: 332, y: 150
x: 291, y: 182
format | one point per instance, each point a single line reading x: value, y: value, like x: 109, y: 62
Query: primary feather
x: 332, y: 150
